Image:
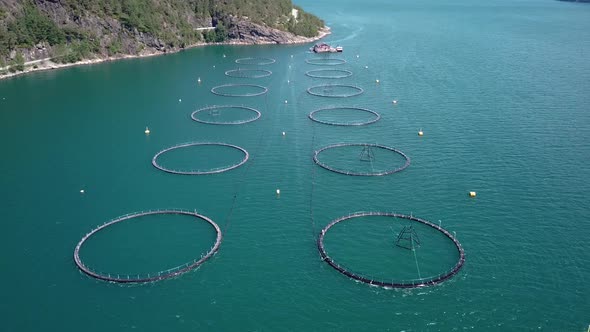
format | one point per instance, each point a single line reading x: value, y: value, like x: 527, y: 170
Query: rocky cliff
x: 245, y: 31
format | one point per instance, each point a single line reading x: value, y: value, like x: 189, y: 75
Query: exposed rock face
x: 244, y: 31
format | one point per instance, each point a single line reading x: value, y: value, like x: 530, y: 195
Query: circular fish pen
x: 414, y: 283
x: 199, y: 172
x: 214, y: 114
x: 329, y: 73
x: 148, y: 277
x: 335, y: 90
x: 244, y: 90
x: 366, y: 156
x: 314, y: 116
x: 325, y: 61
x: 256, y: 61
x: 248, y: 73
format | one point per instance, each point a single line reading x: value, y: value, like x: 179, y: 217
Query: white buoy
x: 377, y: 81
x: 213, y: 66
x: 278, y: 191
x: 81, y: 191
x: 199, y: 80
x: 224, y: 55
x: 357, y: 55
x: 394, y: 101
x: 180, y: 100
x: 284, y: 133
x: 366, y: 67
x: 291, y: 55
x: 420, y: 132
x: 288, y: 81
x: 285, y: 101
x: 147, y: 131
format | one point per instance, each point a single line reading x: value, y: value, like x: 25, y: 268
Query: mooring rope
x: 313, y: 171
x: 416, y: 259
x: 239, y: 183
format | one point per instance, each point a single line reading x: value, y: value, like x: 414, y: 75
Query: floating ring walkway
x: 194, y: 115
x: 212, y: 171
x: 340, y: 73
x: 402, y: 284
x: 248, y: 73
x: 364, y: 145
x: 215, y: 90
x: 257, y: 61
x: 161, y: 275
x: 376, y: 115
x: 327, y: 90
x: 325, y: 61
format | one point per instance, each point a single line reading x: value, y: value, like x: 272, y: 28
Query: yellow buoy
x: 147, y: 131
x: 420, y: 133
x: 472, y: 194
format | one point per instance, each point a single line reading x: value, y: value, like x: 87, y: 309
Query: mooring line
x: 240, y: 183
x: 416, y: 260
x: 313, y: 177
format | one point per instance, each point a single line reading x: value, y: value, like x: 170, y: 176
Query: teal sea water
x: 500, y: 88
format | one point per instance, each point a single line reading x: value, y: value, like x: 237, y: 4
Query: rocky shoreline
x: 245, y: 36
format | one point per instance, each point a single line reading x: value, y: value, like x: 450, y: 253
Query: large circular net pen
x: 325, y: 61
x: 346, y: 114
x: 392, y: 283
x: 256, y: 61
x: 239, y: 90
x: 147, y: 277
x: 157, y: 165
x: 366, y: 154
x: 248, y: 73
x: 329, y: 73
x: 335, y: 90
x: 217, y: 115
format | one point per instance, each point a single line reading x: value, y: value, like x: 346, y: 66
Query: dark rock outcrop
x: 242, y: 30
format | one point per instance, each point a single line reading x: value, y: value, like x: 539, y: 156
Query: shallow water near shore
x: 500, y: 90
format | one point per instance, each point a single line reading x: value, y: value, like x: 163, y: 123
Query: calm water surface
x: 501, y: 90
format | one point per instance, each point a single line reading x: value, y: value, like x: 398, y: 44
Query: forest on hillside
x: 78, y: 29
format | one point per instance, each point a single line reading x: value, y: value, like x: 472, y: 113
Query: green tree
x: 18, y: 63
x: 32, y: 27
x: 220, y: 33
x: 115, y: 47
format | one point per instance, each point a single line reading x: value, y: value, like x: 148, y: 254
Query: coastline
x: 50, y: 65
